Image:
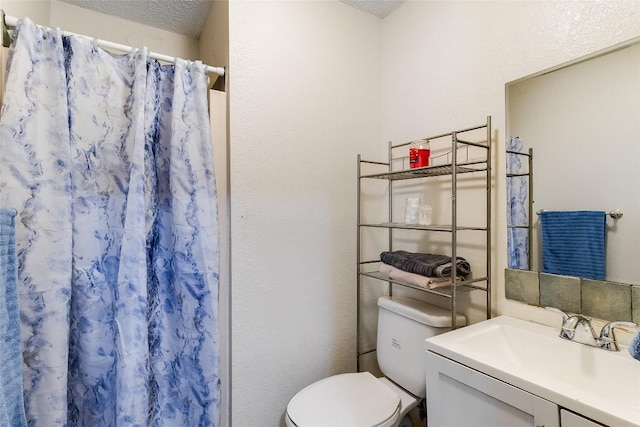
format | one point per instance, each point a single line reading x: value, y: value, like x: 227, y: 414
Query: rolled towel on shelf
x: 412, y: 278
x: 430, y: 265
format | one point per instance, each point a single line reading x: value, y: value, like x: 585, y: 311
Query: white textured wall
x: 213, y: 42
x: 305, y: 99
x: 447, y: 62
x: 83, y: 21
x: 37, y: 10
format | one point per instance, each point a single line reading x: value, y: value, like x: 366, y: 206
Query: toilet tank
x: 403, y: 325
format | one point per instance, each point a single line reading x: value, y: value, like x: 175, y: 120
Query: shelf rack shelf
x: 452, y: 169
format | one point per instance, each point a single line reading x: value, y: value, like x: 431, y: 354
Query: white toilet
x: 362, y: 400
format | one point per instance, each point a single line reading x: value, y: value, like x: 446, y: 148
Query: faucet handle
x: 607, y: 339
x: 565, y: 316
x: 607, y: 330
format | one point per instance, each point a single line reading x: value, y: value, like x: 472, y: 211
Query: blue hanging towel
x: 12, y: 413
x: 573, y: 243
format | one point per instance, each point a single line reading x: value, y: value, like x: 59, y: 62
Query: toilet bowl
x: 362, y: 400
x: 349, y: 400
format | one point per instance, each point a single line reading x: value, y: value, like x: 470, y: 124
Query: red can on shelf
x: 419, y: 154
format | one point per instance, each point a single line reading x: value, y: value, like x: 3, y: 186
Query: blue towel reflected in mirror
x: 573, y: 243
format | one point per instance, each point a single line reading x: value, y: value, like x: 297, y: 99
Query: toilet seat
x: 346, y: 400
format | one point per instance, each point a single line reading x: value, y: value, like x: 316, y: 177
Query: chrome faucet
x: 607, y: 340
x: 578, y: 328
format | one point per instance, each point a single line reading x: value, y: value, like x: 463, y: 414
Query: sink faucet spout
x: 578, y: 328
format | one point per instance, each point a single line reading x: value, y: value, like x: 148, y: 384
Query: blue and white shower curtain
x: 107, y: 160
x: 517, y: 208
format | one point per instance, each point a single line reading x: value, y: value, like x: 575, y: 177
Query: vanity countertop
x: 599, y: 384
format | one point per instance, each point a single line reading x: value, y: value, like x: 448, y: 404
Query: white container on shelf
x: 412, y: 210
x: 425, y: 215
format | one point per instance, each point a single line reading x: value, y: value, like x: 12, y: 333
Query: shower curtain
x: 517, y: 208
x: 107, y: 160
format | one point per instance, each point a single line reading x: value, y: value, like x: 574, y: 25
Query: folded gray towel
x: 430, y: 265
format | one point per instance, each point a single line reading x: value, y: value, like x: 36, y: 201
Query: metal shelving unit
x: 452, y: 169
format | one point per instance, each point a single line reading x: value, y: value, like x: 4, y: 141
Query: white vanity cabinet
x: 569, y: 419
x: 461, y: 396
x: 507, y: 372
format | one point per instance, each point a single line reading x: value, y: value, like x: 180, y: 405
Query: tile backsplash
x: 595, y: 298
x: 606, y: 300
x: 562, y: 292
x: 523, y: 286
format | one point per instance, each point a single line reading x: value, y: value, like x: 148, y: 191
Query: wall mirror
x: 582, y: 121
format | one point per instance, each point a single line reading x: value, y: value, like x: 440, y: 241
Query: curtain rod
x: 11, y: 22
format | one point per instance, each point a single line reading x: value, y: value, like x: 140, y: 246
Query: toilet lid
x: 346, y: 400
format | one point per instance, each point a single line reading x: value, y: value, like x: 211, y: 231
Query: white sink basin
x: 599, y: 384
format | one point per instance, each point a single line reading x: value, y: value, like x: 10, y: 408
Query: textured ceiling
x: 188, y: 16
x: 178, y: 16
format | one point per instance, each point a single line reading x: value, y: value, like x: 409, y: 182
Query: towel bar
x: 613, y: 213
